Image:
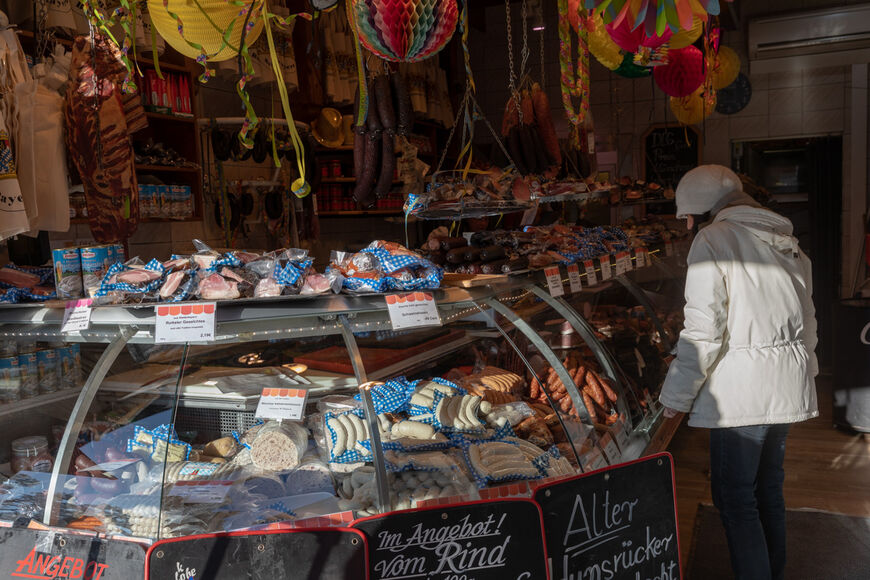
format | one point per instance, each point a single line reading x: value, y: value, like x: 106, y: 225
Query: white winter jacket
x: 746, y: 354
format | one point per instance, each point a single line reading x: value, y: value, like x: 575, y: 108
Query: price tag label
x: 618, y: 431
x: 606, y: 273
x: 611, y: 450
x: 184, y: 323
x: 76, y: 315
x: 111, y: 465
x: 594, y: 460
x: 574, y: 278
x: 591, y: 276
x: 282, y: 404
x: 620, y: 264
x: 412, y: 310
x: 669, y: 249
x: 554, y: 281
x: 626, y: 259
x: 640, y: 256
x: 201, y: 491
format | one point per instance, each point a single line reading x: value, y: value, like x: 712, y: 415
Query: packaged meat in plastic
x: 322, y: 283
x: 178, y: 285
x: 131, y: 282
x: 246, y: 279
x: 206, y: 258
x: 279, y: 446
x: 177, y: 262
x: 213, y: 286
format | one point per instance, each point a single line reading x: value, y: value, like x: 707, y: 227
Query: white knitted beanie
x: 708, y: 188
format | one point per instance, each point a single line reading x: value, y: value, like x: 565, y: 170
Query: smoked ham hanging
x: 98, y: 138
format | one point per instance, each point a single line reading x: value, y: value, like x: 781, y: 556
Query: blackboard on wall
x: 669, y: 151
x: 617, y: 522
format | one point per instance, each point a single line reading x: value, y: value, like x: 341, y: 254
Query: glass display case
x: 149, y: 441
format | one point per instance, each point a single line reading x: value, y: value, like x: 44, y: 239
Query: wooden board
x: 335, y: 358
x: 471, y: 280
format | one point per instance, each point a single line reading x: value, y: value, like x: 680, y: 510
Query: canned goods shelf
x: 38, y: 401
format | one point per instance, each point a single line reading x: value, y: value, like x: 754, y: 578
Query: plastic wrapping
x: 385, y: 266
x: 279, y: 446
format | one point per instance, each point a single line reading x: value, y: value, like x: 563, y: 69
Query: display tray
x: 471, y: 280
x: 336, y: 359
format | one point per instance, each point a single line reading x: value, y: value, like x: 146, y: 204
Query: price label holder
x: 669, y: 249
x: 626, y: 259
x: 110, y: 466
x: 201, y: 491
x: 620, y: 264
x: 76, y: 315
x: 574, y: 278
x: 591, y: 276
x: 412, y: 310
x: 620, y: 434
x: 606, y: 273
x: 184, y: 323
x: 611, y: 449
x: 640, y: 256
x: 554, y: 281
x: 286, y: 404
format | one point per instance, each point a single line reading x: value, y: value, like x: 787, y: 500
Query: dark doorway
x: 805, y: 180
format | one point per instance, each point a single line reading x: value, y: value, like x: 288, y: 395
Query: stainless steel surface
x: 377, y: 451
x: 77, y: 419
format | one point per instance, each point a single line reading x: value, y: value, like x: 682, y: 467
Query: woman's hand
x: 671, y: 413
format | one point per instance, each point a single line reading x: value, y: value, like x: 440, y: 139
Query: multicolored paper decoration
x: 630, y: 39
x: 630, y: 70
x: 573, y: 86
x: 684, y: 38
x: 208, y: 27
x: 683, y: 74
x: 601, y: 45
x: 405, y: 30
x: 693, y: 108
x: 726, y: 67
x: 654, y: 15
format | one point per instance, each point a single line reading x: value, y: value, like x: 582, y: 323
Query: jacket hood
x: 767, y: 226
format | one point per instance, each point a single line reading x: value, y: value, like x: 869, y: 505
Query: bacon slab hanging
x: 98, y: 139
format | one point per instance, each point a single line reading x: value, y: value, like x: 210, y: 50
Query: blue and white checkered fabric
x: 229, y: 259
x: 391, y: 397
x: 288, y: 275
x: 186, y: 290
x: 10, y: 296
x: 105, y: 286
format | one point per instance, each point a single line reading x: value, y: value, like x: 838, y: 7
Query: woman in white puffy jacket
x: 745, y: 362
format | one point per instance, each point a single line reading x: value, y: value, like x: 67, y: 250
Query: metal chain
x: 525, y: 50
x: 543, y: 70
x: 459, y: 112
x: 512, y: 79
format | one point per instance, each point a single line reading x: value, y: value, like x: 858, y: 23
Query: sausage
x: 456, y: 255
x: 511, y: 117
x: 528, y: 148
x: 475, y: 268
x: 404, y: 109
x: 450, y: 243
x: 365, y: 181
x: 534, y: 388
x: 359, y: 144
x: 373, y: 119
x: 494, y: 267
x: 437, y: 258
x: 385, y: 104
x: 540, y: 152
x: 490, y: 253
x: 608, y: 389
x: 388, y: 164
x: 472, y: 254
x: 515, y: 265
x: 545, y: 124
x: 515, y: 149
x: 593, y: 387
x: 527, y: 108
x: 590, y: 407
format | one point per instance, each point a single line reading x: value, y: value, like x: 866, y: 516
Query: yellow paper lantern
x: 694, y: 108
x: 602, y: 46
x: 726, y: 69
x: 206, y: 27
x: 684, y: 38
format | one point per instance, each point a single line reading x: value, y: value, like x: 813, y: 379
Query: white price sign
x: 620, y: 264
x: 184, y: 323
x: 591, y: 277
x: 554, y: 281
x: 606, y: 274
x: 282, y: 404
x: 640, y: 255
x: 626, y: 259
x: 574, y: 278
x: 612, y: 451
x: 76, y: 315
x: 412, y: 310
x: 201, y: 491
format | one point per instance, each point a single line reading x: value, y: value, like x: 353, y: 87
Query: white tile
x: 824, y: 76
x: 623, y: 91
x: 823, y: 121
x: 186, y: 231
x: 783, y: 101
x: 788, y: 124
x: 782, y: 80
x: 823, y: 97
x: 758, y: 104
x: 152, y: 233
x: 759, y: 82
x: 643, y: 89
x: 748, y: 127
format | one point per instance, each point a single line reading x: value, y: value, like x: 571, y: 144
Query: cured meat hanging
x: 98, y: 138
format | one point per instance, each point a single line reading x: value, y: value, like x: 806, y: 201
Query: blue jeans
x: 746, y: 468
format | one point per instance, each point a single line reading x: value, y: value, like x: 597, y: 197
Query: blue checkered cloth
x: 391, y: 397
x: 105, y: 286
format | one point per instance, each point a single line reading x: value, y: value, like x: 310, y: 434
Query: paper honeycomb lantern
x: 683, y: 74
x: 405, y: 30
x: 199, y: 31
x: 601, y: 45
x: 684, y: 38
x: 630, y: 70
x: 726, y: 68
x: 630, y: 39
x: 693, y: 108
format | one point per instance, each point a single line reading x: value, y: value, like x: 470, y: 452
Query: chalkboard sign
x: 309, y: 554
x: 670, y: 151
x: 49, y: 554
x: 618, y: 522
x: 497, y: 540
